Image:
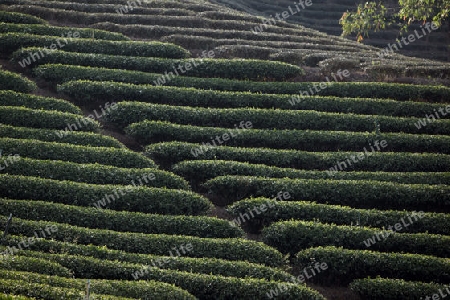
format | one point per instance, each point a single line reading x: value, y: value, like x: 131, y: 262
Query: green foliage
x: 234, y: 69
x: 11, y: 42
x: 292, y: 236
x: 147, y: 290
x: 436, y: 223
x: 306, y: 140
x: 198, y: 171
x: 96, y: 173
x: 394, y: 289
x: 11, y: 98
x: 27, y: 117
x: 124, y: 221
x: 31, y: 264
x: 132, y: 112
x: 354, y: 193
x: 345, y: 265
x: 18, y: 18
x: 13, y: 297
x: 169, y: 153
x: 79, y: 154
x: 58, y: 31
x: 159, y: 244
x: 15, y: 82
x: 116, y: 197
x: 51, y: 135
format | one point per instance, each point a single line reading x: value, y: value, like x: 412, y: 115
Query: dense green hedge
x: 15, y: 17
x: 11, y: 42
x: 15, y: 82
x: 345, y: 265
x: 51, y: 135
x: 169, y: 153
x: 120, y: 220
x: 293, y: 236
x: 13, y: 297
x: 198, y: 171
x: 88, y: 91
x: 44, y: 291
x: 131, y: 112
x: 306, y: 140
x: 436, y: 223
x: 354, y: 193
x: 135, y: 289
x: 96, y: 173
x: 116, y: 197
x: 236, y: 68
x: 32, y: 264
x: 159, y: 244
x: 79, y: 154
x: 210, y: 266
x: 394, y: 289
x: 11, y: 98
x: 59, y: 31
x: 38, y: 118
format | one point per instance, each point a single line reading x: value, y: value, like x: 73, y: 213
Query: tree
x: 375, y: 16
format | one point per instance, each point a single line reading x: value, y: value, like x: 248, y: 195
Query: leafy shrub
x: 51, y: 135
x: 236, y: 69
x: 18, y: 18
x: 116, y: 197
x: 40, y: 29
x: 120, y: 220
x: 15, y: 82
x: 21, y: 116
x: 354, y: 193
x: 169, y: 153
x: 159, y: 244
x: 394, y: 289
x: 131, y: 112
x: 147, y: 290
x: 11, y: 42
x: 96, y: 173
x: 31, y: 264
x: 345, y: 265
x: 292, y: 236
x: 118, y: 157
x: 11, y: 98
x: 341, y: 215
x: 306, y: 140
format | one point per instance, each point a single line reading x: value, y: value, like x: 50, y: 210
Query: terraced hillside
x: 324, y: 15
x: 146, y: 156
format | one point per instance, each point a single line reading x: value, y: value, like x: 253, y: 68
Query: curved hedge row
x: 306, y: 140
x: 38, y: 265
x: 210, y: 266
x: 293, y: 236
x: 354, y: 193
x: 436, y: 223
x: 192, y: 97
x: 16, y: 82
x: 124, y: 221
x: 18, y: 18
x: 116, y: 197
x: 135, y: 289
x: 11, y: 98
x: 38, y: 118
x: 51, y: 135
x: 159, y: 244
x: 198, y: 171
x: 40, y: 29
x: 44, y: 291
x: 169, y: 153
x: 11, y: 42
x: 96, y: 173
x: 237, y: 69
x: 394, y: 289
x: 132, y: 112
x: 345, y: 265
x: 118, y: 157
